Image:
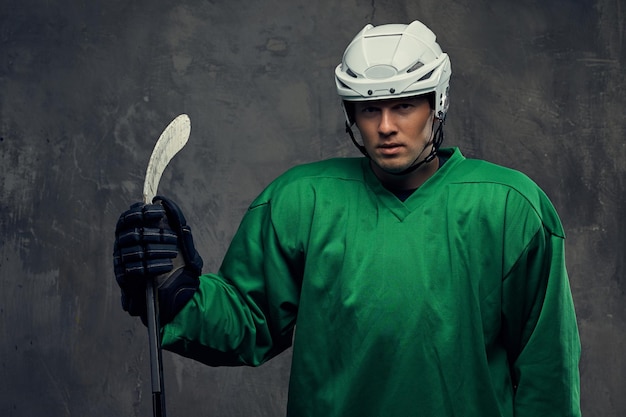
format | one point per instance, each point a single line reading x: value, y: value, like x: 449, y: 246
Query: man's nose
x: 386, y: 125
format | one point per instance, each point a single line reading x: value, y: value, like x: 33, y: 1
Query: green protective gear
x: 455, y: 302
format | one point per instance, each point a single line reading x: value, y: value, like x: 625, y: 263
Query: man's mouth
x: 389, y: 148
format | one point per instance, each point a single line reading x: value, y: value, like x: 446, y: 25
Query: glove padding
x: 154, y: 240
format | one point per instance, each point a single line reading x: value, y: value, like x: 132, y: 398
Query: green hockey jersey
x: 455, y: 302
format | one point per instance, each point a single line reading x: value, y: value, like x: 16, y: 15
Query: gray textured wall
x: 87, y: 86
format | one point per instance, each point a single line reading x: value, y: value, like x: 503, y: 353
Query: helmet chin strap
x: 357, y: 144
x: 435, y: 142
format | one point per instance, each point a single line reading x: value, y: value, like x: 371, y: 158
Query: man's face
x: 396, y: 132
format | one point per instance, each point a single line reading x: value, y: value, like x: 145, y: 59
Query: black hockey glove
x: 153, y: 240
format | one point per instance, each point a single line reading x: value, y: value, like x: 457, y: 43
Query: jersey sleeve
x: 539, y: 323
x: 245, y: 313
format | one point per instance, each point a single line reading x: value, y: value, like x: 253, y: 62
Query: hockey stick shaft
x: 156, y: 357
x: 172, y: 140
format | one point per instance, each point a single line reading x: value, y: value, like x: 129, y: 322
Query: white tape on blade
x: 172, y: 140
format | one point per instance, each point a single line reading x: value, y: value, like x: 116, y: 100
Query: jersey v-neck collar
x: 402, y: 209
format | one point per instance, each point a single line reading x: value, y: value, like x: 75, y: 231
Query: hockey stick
x: 172, y: 140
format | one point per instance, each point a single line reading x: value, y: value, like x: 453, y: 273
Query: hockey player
x: 421, y: 283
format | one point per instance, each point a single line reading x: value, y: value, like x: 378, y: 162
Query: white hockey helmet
x: 393, y: 61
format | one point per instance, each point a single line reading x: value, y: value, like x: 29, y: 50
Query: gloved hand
x: 154, y: 240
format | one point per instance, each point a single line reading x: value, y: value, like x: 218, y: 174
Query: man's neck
x: 410, y: 181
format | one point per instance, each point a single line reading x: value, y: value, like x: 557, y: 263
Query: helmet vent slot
x: 415, y: 66
x: 427, y: 76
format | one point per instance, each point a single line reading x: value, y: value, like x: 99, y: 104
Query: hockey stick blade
x: 172, y: 140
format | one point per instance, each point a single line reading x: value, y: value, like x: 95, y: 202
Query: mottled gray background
x: 86, y: 86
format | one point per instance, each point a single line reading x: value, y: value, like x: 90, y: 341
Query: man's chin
x: 391, y: 168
